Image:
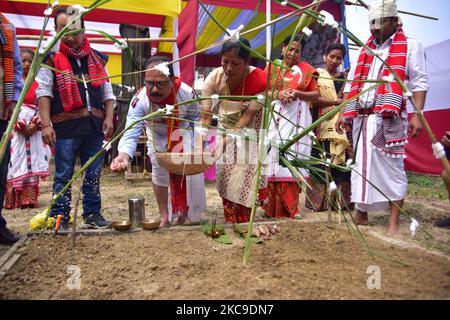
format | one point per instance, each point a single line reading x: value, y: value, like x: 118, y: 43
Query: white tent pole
x: 176, y: 52
x: 268, y: 29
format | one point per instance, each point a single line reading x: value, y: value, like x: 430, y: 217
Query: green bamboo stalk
x: 261, y: 150
x: 266, y: 123
x: 92, y: 159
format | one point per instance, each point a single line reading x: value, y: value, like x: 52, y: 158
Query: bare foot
x: 361, y: 218
x: 182, y: 220
x: 393, y: 230
x: 164, y: 223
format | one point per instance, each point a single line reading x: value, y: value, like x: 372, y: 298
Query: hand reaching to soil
x: 120, y: 163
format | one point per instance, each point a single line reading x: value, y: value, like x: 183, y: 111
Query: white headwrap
x: 383, y: 9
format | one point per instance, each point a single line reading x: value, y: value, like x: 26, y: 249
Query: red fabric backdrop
x: 419, y: 154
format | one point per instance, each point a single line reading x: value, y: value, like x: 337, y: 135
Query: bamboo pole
x: 101, y: 40
x: 216, y: 44
x: 75, y: 214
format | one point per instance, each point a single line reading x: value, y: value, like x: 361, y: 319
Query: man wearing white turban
x: 379, y: 117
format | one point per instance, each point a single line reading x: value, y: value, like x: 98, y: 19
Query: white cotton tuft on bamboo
x: 233, y: 34
x: 413, y: 226
x: 438, y: 150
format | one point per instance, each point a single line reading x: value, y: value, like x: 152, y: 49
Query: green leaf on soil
x: 225, y: 239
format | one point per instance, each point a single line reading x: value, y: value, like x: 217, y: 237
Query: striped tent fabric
x: 159, y: 16
x: 232, y: 14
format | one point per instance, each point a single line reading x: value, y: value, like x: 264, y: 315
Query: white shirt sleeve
x: 418, y: 76
x: 108, y: 93
x: 44, y: 78
x: 129, y: 140
x: 351, y: 75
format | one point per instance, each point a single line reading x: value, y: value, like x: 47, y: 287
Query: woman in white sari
x: 293, y: 90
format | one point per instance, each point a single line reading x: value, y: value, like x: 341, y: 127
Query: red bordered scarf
x: 388, y: 98
x: 7, y: 47
x: 67, y: 85
x: 177, y: 183
x: 390, y: 139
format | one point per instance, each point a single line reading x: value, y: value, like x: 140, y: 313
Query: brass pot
x: 122, y: 225
x: 150, y: 224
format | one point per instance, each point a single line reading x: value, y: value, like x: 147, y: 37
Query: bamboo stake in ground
x: 75, y: 213
x: 328, y: 195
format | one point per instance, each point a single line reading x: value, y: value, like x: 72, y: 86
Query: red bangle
x: 46, y: 125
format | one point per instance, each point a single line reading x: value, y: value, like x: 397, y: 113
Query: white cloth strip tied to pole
x: 328, y: 19
x: 349, y: 165
x: 48, y: 12
x: 313, y: 138
x: 121, y: 44
x: 169, y: 109
x: 413, y: 226
x: 389, y: 79
x: 233, y: 34
x: 261, y: 99
x: 438, y: 150
x: 215, y: 99
x: 307, y: 31
x: 47, y: 42
x: 295, y: 70
x: 332, y: 188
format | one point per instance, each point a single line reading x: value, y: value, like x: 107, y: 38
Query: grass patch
x: 426, y: 187
x: 424, y: 180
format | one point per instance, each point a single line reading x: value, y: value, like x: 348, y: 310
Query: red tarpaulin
x: 437, y: 111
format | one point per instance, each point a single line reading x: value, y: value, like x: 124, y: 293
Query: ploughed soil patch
x: 304, y: 261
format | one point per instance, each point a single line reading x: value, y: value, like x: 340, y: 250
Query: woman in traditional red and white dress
x: 294, y: 89
x: 29, y: 155
x: 237, y: 166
